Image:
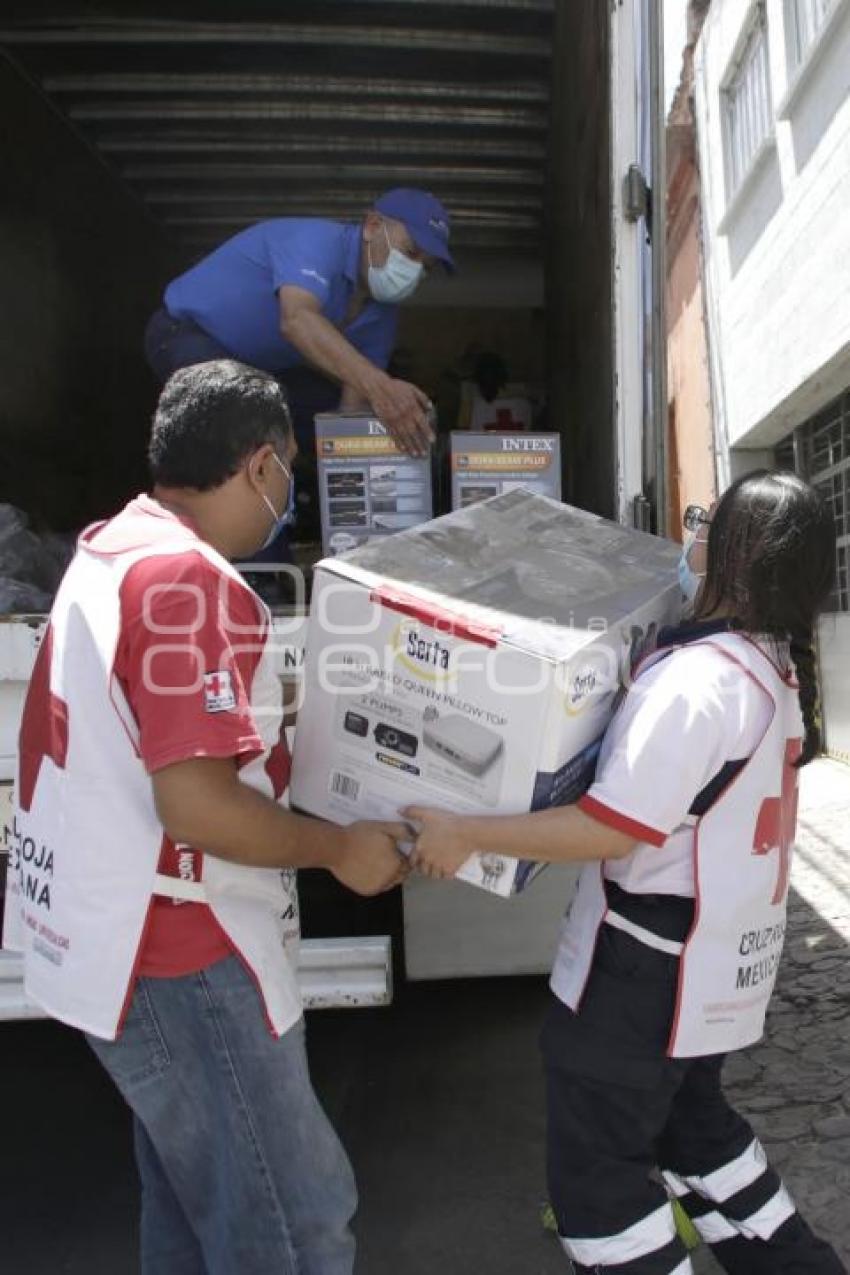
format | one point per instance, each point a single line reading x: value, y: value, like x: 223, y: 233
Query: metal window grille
x: 825, y: 456
x: 804, y: 19
x: 747, y: 104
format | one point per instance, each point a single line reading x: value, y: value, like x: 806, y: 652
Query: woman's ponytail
x: 803, y: 655
x: 771, y: 567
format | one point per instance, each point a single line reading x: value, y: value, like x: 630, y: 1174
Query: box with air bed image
x: 367, y: 487
x: 473, y: 663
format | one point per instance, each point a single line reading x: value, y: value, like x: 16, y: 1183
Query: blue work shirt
x: 232, y: 293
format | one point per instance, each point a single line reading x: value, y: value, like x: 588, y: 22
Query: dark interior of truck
x: 138, y: 136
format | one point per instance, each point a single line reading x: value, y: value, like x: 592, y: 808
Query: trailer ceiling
x: 307, y: 107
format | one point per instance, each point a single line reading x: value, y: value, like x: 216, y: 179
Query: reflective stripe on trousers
x: 650, y: 1246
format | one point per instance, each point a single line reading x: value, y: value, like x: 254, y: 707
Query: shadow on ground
x: 439, y: 1101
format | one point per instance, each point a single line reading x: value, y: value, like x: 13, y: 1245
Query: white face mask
x: 397, y: 279
x: 288, y: 516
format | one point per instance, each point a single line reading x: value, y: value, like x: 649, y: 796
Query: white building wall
x: 777, y: 257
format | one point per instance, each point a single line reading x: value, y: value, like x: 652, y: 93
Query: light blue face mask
x: 288, y: 516
x: 397, y: 279
x: 689, y: 580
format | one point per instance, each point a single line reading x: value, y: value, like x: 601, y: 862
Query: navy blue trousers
x: 628, y: 1127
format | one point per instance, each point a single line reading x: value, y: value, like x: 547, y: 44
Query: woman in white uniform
x: 669, y: 952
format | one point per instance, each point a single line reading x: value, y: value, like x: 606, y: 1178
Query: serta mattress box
x: 473, y: 663
x: 367, y: 487
x: 485, y: 465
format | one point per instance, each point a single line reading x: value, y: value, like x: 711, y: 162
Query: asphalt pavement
x: 439, y: 1101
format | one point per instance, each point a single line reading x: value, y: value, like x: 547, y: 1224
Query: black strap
x: 706, y: 798
x: 669, y: 916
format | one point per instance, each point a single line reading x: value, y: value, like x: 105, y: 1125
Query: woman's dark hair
x: 771, y: 568
x: 209, y: 418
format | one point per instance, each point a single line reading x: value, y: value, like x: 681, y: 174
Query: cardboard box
x: 485, y: 465
x: 367, y: 487
x: 473, y: 663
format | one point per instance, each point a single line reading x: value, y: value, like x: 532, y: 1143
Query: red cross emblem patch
x: 219, y: 696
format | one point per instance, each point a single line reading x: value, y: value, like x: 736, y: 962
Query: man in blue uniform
x: 301, y: 296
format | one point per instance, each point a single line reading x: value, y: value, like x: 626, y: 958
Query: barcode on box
x: 345, y: 786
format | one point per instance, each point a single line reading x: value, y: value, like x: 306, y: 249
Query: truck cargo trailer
x: 136, y: 138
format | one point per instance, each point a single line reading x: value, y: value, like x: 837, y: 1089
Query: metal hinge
x: 642, y: 513
x: 636, y: 194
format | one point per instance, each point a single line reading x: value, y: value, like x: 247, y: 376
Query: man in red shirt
x: 159, y: 914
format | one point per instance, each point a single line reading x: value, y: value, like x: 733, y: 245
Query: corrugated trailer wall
x: 82, y: 265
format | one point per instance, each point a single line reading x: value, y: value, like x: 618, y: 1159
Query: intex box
x: 367, y: 487
x: 485, y: 465
x: 473, y: 663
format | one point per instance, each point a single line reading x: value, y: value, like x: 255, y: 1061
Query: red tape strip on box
x: 442, y: 621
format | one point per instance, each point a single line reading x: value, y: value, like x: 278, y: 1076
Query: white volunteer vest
x: 742, y: 852
x: 84, y: 860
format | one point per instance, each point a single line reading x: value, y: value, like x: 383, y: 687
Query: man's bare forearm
x: 207, y: 807
x: 351, y: 400
x: 321, y: 344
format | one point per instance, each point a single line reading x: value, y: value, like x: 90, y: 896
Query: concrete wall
x: 82, y: 267
x: 778, y: 295
x: 691, y: 472
x: 834, y: 648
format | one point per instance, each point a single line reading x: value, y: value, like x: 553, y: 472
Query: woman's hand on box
x: 442, y: 841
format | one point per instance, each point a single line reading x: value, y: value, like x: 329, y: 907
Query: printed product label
x: 381, y: 737
x: 485, y: 465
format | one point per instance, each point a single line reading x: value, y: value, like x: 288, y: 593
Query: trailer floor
x: 439, y: 1101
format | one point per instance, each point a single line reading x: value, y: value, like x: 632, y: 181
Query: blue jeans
x: 174, y: 343
x: 241, y: 1171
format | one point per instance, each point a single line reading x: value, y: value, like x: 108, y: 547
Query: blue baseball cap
x: 425, y: 219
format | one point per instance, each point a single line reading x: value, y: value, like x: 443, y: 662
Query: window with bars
x: 747, y: 106
x: 825, y: 454
x: 803, y: 20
